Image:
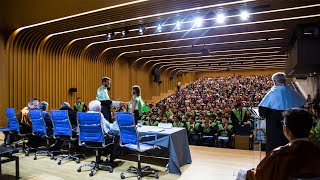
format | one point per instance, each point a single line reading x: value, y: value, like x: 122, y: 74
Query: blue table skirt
x: 176, y: 140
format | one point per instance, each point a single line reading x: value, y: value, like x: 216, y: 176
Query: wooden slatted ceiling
x: 59, y: 43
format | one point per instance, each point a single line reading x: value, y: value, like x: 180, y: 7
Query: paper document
x: 155, y: 130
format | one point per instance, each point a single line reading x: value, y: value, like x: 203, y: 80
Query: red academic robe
x: 294, y: 160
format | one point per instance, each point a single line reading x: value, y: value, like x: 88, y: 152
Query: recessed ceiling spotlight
x: 220, y: 18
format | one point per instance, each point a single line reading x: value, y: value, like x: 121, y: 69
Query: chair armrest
x: 109, y: 137
x: 146, y: 136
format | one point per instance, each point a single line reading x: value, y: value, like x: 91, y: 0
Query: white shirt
x: 104, y: 123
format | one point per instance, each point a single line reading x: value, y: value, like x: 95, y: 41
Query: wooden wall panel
x: 41, y: 71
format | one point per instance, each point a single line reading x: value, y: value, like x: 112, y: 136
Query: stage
x: 207, y: 163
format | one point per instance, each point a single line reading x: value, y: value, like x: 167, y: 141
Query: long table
x: 175, y: 140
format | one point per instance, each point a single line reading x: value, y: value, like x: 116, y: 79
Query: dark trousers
x: 274, y: 135
x: 136, y: 116
x: 105, y: 110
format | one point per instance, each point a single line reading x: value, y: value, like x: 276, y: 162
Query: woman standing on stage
x: 137, y: 105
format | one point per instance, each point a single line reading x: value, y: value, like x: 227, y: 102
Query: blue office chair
x: 91, y: 136
x: 14, y: 127
x: 39, y: 129
x: 129, y: 138
x: 62, y: 130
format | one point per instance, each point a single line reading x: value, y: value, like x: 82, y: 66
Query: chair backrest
x: 128, y: 131
x: 90, y: 129
x: 12, y: 119
x: 61, y: 123
x: 38, y: 124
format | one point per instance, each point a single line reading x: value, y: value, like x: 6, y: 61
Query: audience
x: 207, y: 101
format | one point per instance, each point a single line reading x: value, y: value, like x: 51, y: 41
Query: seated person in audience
x: 24, y: 118
x: 208, y: 130
x: 44, y: 106
x: 177, y: 122
x: 35, y: 141
x: 80, y: 106
x: 94, y: 107
x: 219, y: 117
x: 194, y: 129
x: 25, y: 122
x: 71, y: 113
x: 225, y: 130
x: 298, y: 159
x: 113, y: 150
x: 74, y: 125
x: 164, y: 120
x: 151, y: 122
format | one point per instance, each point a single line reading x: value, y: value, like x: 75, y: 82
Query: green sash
x: 236, y: 113
x: 80, y: 106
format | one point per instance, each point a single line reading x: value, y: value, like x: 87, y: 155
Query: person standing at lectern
x: 103, y: 97
x: 281, y: 97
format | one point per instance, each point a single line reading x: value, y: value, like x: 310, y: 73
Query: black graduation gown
x: 274, y: 134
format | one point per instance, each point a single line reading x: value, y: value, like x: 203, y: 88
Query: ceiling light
x: 178, y: 25
x: 220, y: 18
x: 198, y: 22
x: 142, y: 29
x: 110, y: 35
x: 159, y: 28
x: 244, y: 15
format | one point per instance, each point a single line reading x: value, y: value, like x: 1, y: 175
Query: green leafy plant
x: 315, y: 134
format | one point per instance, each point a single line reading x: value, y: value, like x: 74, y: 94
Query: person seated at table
x: 151, y: 122
x: 225, y: 130
x: 194, y: 130
x: 298, y: 159
x: 177, y: 122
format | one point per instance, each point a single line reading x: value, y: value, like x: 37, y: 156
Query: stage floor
x: 207, y: 163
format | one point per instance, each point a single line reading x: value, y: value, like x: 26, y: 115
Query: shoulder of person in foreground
x: 269, y: 164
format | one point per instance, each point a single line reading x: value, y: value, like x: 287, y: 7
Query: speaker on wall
x: 72, y: 90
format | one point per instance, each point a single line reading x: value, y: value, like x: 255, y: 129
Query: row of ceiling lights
x: 198, y: 22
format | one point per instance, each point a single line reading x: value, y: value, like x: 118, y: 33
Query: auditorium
x: 158, y: 89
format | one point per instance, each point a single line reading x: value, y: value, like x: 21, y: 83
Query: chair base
x: 140, y: 172
x: 46, y: 153
x: 96, y: 166
x: 74, y: 157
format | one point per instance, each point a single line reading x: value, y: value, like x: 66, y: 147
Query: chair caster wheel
x: 52, y: 158
x: 55, y: 159
x: 35, y: 158
x: 26, y: 154
x: 59, y: 163
x: 91, y: 174
x: 79, y: 170
x: 111, y: 171
x: 139, y: 178
x: 157, y: 176
x: 77, y: 161
x: 122, y: 177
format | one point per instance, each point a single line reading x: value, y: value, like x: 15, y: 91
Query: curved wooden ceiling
x: 260, y: 42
